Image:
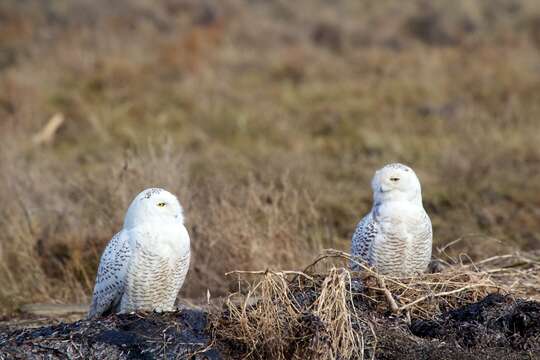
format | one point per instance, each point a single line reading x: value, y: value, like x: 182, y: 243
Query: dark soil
x: 179, y: 335
x: 497, y: 327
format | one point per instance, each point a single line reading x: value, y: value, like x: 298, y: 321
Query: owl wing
x: 181, y: 267
x: 363, y: 237
x: 111, y: 276
x: 179, y: 276
x: 422, y: 234
x: 183, y: 262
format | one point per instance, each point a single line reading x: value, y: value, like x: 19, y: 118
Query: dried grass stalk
x: 267, y: 327
x: 335, y: 308
x: 329, y: 314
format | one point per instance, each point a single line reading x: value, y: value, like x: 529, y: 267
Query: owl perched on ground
x: 396, y: 236
x: 144, y: 265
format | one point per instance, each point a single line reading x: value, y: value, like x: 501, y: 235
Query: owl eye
x: 162, y: 204
x: 394, y: 179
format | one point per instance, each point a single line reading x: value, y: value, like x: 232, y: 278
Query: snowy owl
x: 144, y: 265
x: 396, y: 236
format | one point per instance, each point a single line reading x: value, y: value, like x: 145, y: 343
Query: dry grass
x: 57, y: 229
x: 267, y: 119
x: 330, y: 314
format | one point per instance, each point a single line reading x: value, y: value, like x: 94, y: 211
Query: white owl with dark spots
x: 396, y: 236
x: 144, y: 265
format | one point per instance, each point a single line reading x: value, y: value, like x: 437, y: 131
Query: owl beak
x: 385, y: 188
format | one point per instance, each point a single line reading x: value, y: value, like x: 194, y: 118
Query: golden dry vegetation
x: 268, y: 119
x: 329, y: 312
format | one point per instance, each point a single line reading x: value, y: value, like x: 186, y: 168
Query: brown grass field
x: 268, y: 120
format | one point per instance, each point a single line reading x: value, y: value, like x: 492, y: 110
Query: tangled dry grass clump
x: 336, y: 313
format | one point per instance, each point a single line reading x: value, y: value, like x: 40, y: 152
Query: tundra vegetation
x: 267, y: 119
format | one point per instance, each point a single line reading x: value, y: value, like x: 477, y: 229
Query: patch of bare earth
x: 467, y: 311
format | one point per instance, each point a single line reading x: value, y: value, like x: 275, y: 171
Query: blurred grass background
x: 268, y: 119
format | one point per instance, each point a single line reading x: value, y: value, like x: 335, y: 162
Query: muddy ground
x: 497, y: 327
x: 179, y: 335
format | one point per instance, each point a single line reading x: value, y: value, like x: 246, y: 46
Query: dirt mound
x: 468, y: 311
x: 164, y: 336
x: 497, y: 327
x: 496, y: 321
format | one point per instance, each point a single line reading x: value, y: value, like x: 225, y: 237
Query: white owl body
x: 165, y: 239
x: 396, y: 236
x: 403, y: 243
x: 159, y: 263
x: 144, y: 266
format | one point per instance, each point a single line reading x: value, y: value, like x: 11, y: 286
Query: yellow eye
x: 161, y: 204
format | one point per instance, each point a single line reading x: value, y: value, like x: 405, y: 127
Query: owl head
x: 396, y: 182
x: 156, y: 205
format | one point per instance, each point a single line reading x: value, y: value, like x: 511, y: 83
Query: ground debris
x: 497, y: 321
x: 485, y: 310
x: 466, y: 312
x: 496, y: 327
x: 178, y: 335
